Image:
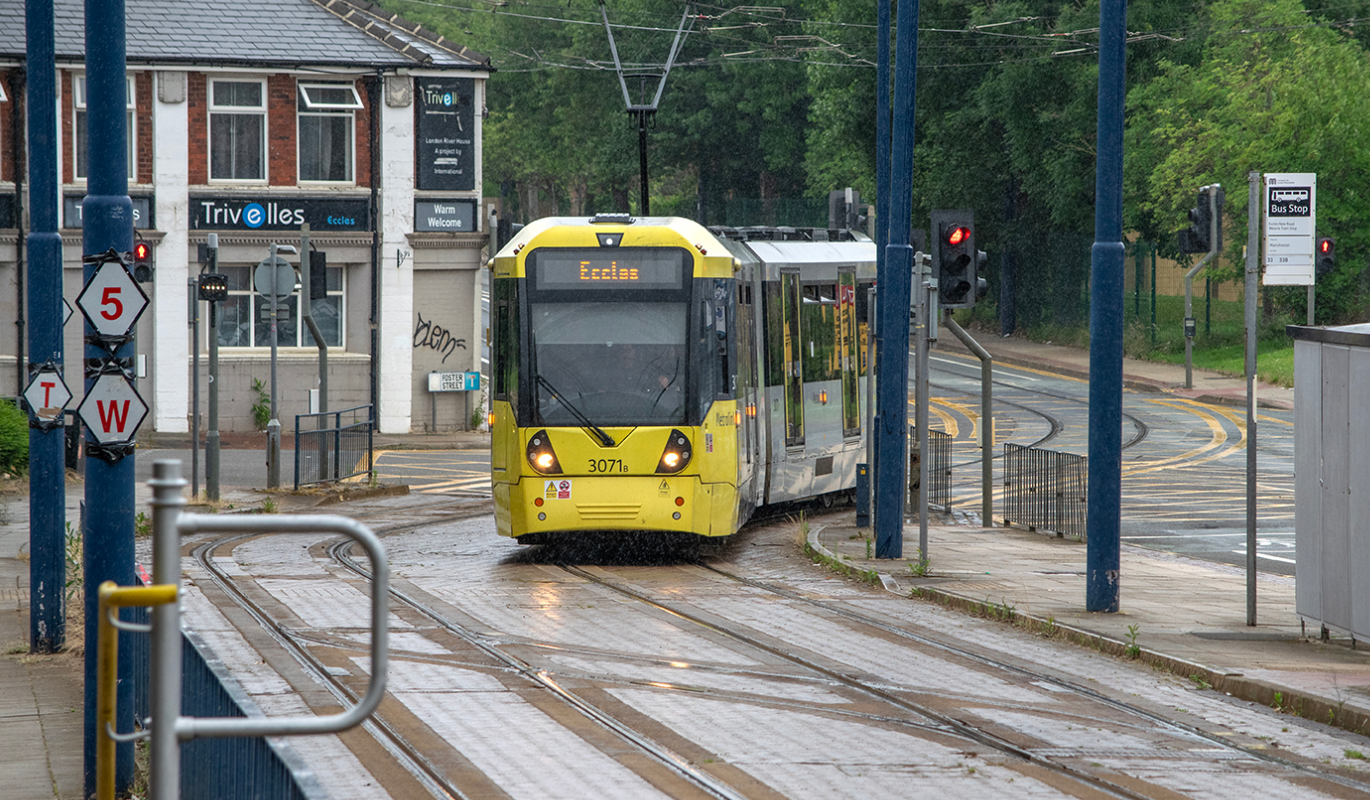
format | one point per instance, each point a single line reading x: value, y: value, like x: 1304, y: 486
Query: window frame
x: 296, y: 311
x: 211, y: 109
x: 79, y: 107
x: 305, y: 106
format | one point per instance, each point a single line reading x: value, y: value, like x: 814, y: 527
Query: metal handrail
x: 168, y: 526
x: 112, y: 598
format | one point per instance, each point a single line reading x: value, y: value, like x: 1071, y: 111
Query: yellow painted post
x: 113, y: 597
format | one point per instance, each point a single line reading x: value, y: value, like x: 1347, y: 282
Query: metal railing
x: 939, y: 469
x: 1045, y: 490
x: 336, y: 446
x: 247, y: 763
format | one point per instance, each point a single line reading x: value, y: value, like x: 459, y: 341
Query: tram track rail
x: 1035, y: 675
x: 432, y: 777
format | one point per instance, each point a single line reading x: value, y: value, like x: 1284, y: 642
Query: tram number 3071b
x: 607, y: 465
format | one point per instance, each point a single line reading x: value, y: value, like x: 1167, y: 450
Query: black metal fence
x: 939, y: 469
x: 333, y: 445
x: 1045, y: 490
x: 216, y: 769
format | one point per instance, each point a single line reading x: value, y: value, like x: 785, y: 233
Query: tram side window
x: 506, y: 339
x: 775, y: 331
x: 819, y: 352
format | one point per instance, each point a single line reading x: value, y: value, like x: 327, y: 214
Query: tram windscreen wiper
x: 604, y: 438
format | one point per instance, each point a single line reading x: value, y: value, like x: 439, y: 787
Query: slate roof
x: 256, y: 33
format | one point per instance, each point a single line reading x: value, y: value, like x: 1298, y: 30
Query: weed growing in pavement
x: 1133, y: 650
x: 1356, y: 754
x: 142, y: 526
x: 869, y: 544
x: 1049, y: 628
x: 261, y: 410
x: 872, y: 577
x: 76, y: 574
x: 1200, y: 683
x: 921, y: 567
x: 269, y: 506
x: 1000, y: 611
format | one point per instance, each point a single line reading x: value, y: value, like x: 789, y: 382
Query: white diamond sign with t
x: 112, y: 409
x: 47, y: 394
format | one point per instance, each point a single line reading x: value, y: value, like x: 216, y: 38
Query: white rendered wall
x: 397, y: 279
x: 171, y: 350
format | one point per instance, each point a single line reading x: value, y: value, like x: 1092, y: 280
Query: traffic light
x: 318, y: 275
x: 213, y: 287
x: 956, y: 260
x: 1326, y: 255
x: 1198, y: 237
x: 142, y: 261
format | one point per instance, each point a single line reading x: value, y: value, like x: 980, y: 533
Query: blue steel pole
x: 107, y: 216
x: 1104, y: 520
x: 890, y: 476
x: 47, y: 475
x: 882, y: 218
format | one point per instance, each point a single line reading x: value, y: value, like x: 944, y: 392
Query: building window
x: 326, y: 127
x: 237, y: 130
x: 243, y: 320
x: 82, y: 146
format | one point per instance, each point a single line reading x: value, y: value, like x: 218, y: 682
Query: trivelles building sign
x: 1291, y: 215
x: 279, y: 213
x: 446, y: 135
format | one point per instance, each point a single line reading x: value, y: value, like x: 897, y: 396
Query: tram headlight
x: 541, y: 455
x: 676, y: 456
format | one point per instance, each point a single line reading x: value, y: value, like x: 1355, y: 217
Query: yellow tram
x: 655, y: 375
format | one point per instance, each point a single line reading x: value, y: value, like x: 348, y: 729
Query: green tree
x: 1276, y: 96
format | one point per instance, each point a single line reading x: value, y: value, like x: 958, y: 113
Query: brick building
x: 247, y: 120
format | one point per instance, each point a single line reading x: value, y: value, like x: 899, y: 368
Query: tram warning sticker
x: 556, y: 490
x: 563, y: 490
x: 549, y: 490
x: 664, y: 489
x: 708, y: 442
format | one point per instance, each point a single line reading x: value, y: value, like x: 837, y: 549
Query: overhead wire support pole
x: 891, y: 484
x: 47, y: 474
x: 642, y: 111
x: 107, y: 212
x: 1253, y: 247
x: 882, y: 231
x: 1104, y: 515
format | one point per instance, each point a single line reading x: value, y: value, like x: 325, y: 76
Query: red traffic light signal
x: 142, y: 261
x: 958, y: 235
x: 1326, y: 260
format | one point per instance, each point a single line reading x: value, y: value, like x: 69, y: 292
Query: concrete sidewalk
x: 1184, y: 615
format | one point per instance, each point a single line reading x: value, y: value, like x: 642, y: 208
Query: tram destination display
x: 606, y: 268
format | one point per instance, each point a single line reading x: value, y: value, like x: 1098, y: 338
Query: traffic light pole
x: 926, y: 288
x: 1212, y: 253
x: 212, y: 436
x: 986, y: 421
x: 1253, y: 270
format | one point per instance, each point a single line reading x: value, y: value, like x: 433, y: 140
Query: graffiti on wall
x: 435, y: 337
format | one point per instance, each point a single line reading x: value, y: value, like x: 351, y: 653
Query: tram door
x: 790, y: 300
x: 847, y: 344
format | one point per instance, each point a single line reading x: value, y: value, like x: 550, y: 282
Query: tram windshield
x: 617, y: 363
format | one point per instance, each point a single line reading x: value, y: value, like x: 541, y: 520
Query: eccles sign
x: 284, y: 214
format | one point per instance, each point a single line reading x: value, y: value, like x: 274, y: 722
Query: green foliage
x: 1134, y: 650
x: 776, y: 104
x: 14, y: 438
x: 261, y: 408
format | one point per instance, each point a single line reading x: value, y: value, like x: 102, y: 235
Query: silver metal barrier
x: 169, y: 523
